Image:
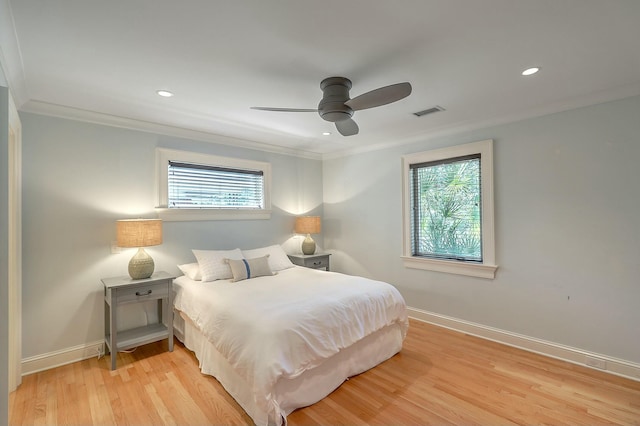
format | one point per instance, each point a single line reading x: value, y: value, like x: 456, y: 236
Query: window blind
x: 446, y: 209
x: 197, y: 186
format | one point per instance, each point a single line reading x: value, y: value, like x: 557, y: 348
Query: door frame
x: 15, y: 247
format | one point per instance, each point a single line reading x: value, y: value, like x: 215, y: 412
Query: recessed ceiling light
x: 531, y: 71
x: 326, y: 133
x: 164, y: 93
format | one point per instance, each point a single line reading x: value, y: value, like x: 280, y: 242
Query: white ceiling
x: 222, y: 57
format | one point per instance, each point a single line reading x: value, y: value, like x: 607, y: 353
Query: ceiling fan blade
x: 347, y: 127
x: 382, y: 96
x: 285, y: 109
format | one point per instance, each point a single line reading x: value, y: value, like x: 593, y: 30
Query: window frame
x: 484, y: 269
x: 163, y: 156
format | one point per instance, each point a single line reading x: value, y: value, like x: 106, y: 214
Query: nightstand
x: 123, y: 290
x: 315, y: 261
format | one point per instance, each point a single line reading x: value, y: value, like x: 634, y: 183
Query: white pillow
x: 212, y: 265
x: 278, y: 259
x: 191, y: 270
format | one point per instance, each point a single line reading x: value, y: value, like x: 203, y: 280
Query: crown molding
x: 60, y: 111
x: 599, y: 97
x: 11, y: 66
x: 65, y: 112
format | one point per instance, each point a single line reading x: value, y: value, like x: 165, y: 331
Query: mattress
x: 282, y: 342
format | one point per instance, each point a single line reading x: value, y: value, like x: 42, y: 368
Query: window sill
x: 451, y: 267
x: 188, y: 215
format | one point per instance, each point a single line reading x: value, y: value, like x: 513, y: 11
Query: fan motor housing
x: 336, y: 92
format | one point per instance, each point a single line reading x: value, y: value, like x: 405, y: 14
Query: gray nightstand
x: 315, y: 261
x: 122, y: 290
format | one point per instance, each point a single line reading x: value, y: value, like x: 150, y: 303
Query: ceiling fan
x: 336, y: 106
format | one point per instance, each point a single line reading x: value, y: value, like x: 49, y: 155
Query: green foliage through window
x: 446, y: 209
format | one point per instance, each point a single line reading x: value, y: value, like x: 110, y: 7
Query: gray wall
x: 567, y: 191
x: 567, y: 197
x: 78, y: 178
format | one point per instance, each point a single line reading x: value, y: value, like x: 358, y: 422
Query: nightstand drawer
x: 317, y: 263
x: 136, y: 294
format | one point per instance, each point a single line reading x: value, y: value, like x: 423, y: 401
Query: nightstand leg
x: 106, y: 327
x: 165, y: 312
x: 170, y: 317
x: 113, y: 341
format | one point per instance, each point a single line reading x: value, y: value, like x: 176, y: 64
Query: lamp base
x: 308, y: 245
x: 141, y: 265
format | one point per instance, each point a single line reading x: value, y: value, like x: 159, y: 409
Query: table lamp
x: 139, y: 233
x: 308, y: 225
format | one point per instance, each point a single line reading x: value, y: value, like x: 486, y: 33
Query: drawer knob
x: 143, y: 294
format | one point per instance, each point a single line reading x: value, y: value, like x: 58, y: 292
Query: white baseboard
x: 596, y: 361
x: 49, y: 360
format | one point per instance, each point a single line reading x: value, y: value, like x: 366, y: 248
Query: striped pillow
x: 245, y: 269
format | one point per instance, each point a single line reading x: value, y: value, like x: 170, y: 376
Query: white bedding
x: 277, y: 327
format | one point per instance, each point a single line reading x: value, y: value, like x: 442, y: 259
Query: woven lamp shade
x: 139, y: 232
x: 308, y: 225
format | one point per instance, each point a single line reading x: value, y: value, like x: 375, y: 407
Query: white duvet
x: 278, y: 326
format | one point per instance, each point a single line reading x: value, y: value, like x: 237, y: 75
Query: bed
x: 287, y: 338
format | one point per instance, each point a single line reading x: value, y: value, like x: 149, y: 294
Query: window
x: 445, y: 209
x: 196, y: 186
x: 448, y: 210
x: 202, y: 186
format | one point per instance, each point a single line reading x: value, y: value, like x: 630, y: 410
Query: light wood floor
x: 440, y: 377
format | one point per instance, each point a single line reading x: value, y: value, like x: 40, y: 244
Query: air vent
x: 428, y: 111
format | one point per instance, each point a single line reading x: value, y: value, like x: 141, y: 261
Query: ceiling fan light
x: 335, y: 116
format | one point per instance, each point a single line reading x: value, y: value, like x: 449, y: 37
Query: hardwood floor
x: 440, y: 377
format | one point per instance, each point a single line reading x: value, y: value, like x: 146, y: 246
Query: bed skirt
x: 289, y: 394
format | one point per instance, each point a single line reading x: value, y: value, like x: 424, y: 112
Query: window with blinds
x: 446, y: 209
x: 194, y: 186
x: 198, y: 186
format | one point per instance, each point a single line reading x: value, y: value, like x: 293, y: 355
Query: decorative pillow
x: 212, y: 266
x: 278, y: 259
x: 249, y: 268
x: 191, y: 270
